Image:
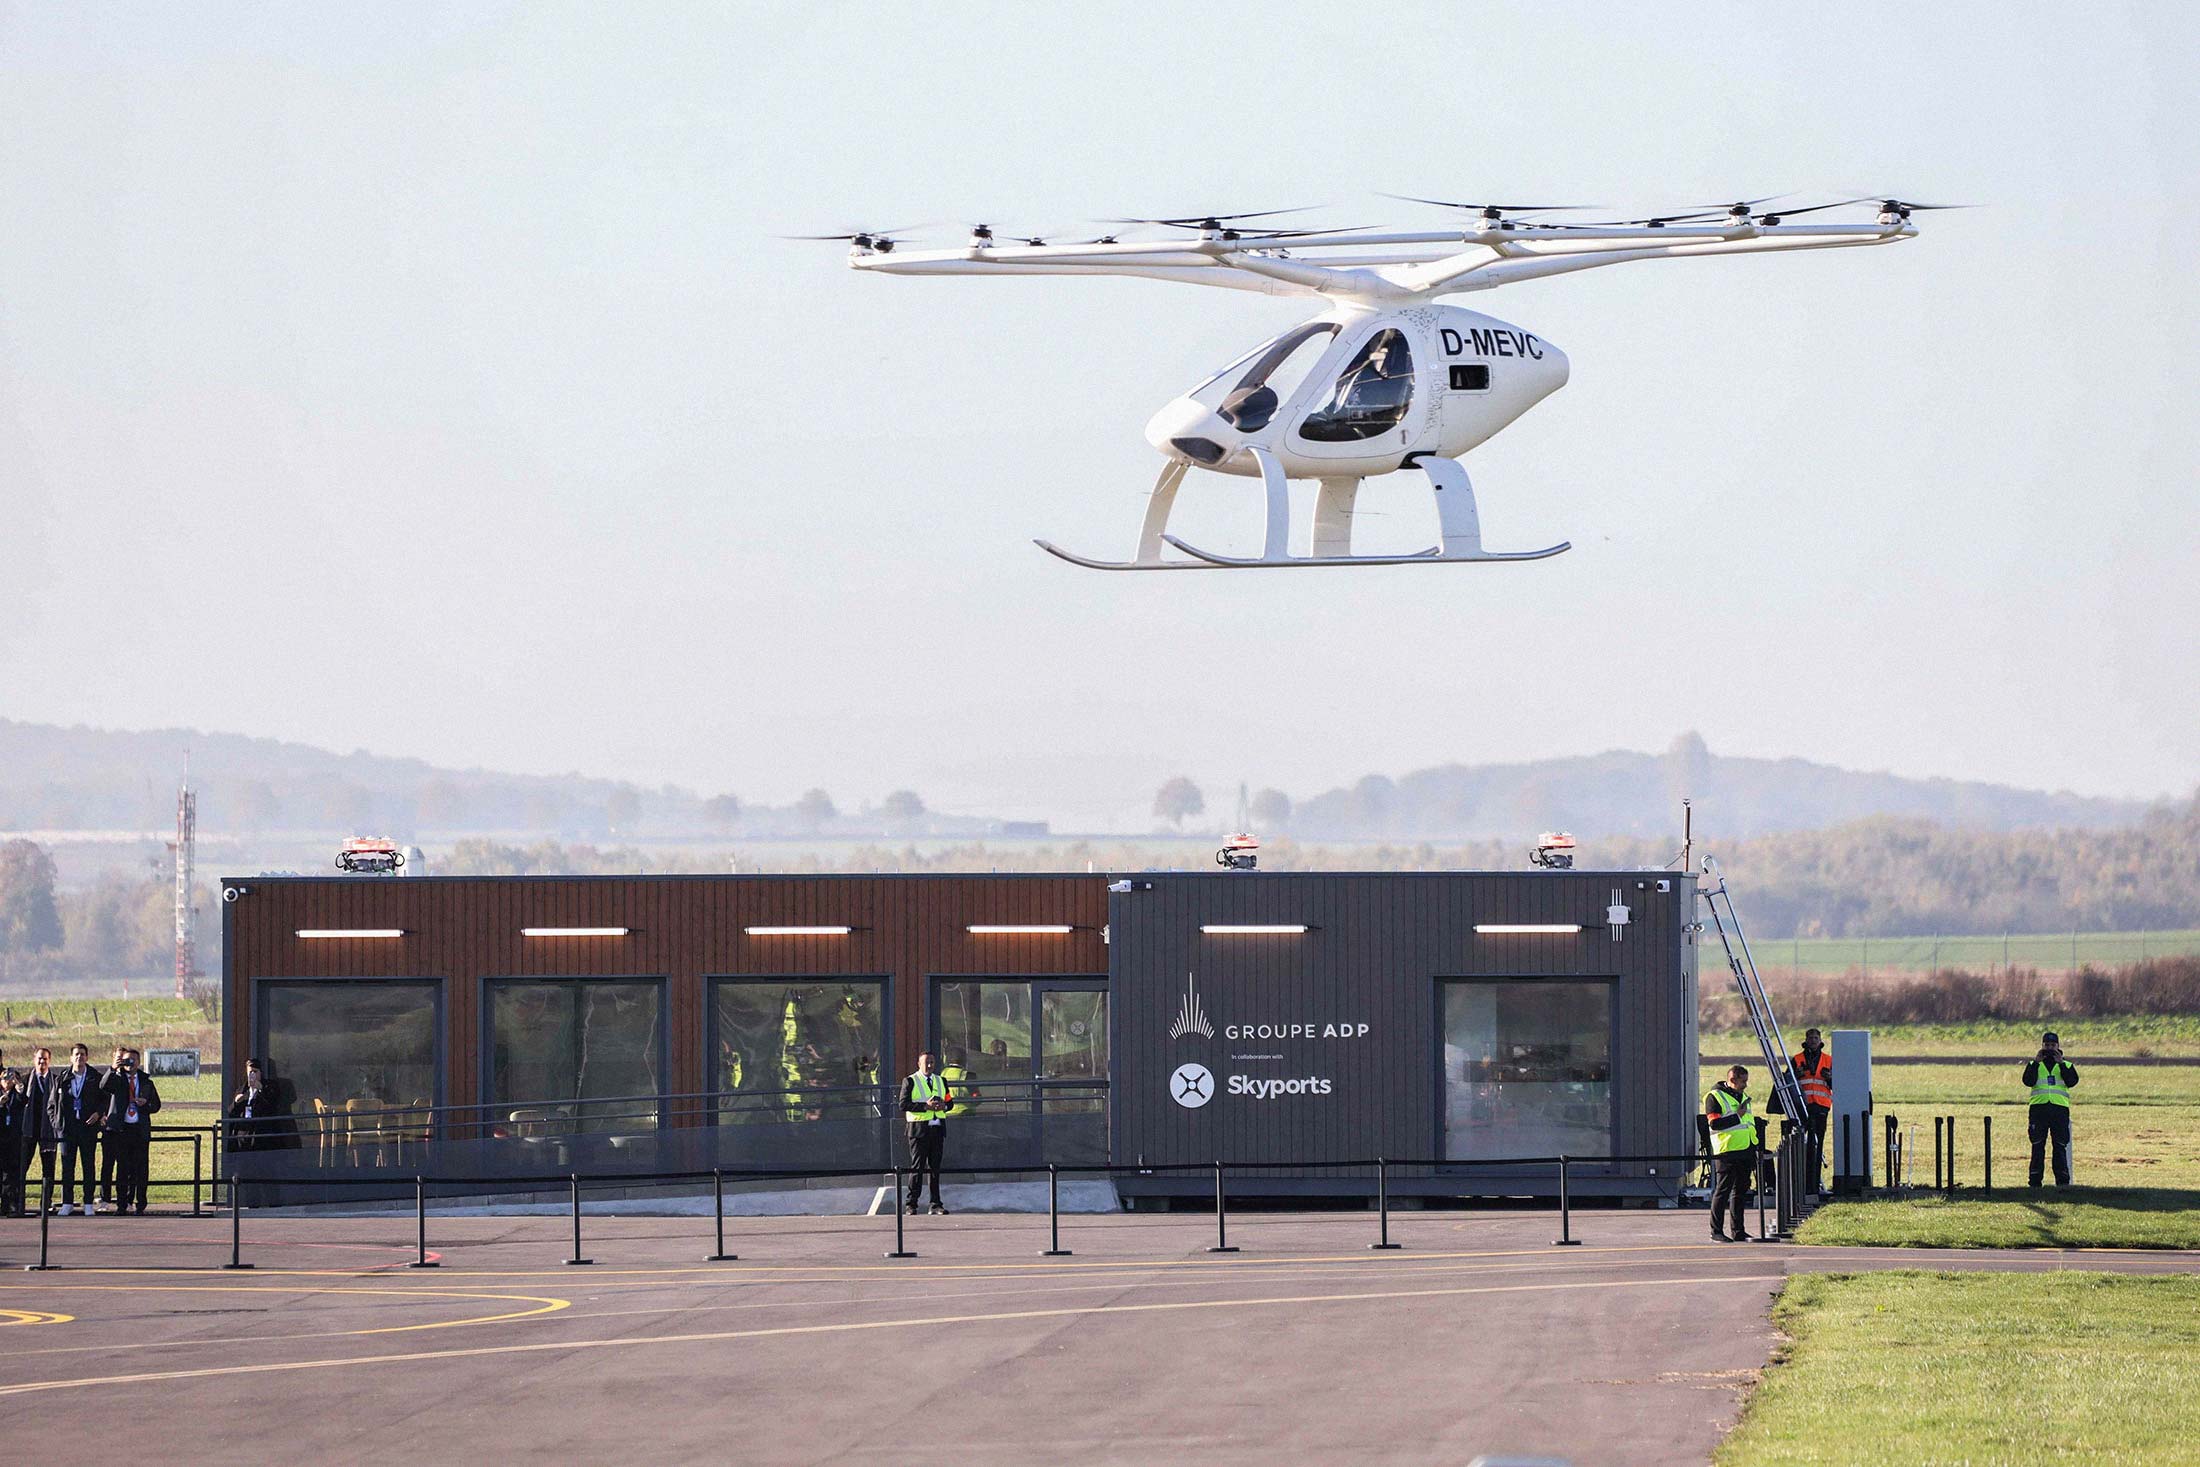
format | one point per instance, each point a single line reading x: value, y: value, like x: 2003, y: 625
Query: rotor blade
x: 1478, y: 208
x: 1196, y: 221
x: 1819, y: 208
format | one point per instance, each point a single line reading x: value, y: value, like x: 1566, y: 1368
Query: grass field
x: 1977, y: 1368
x: 2156, y: 1035
x: 2047, y: 951
x: 2135, y: 1148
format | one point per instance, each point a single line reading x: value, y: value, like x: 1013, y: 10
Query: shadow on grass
x: 2072, y: 1217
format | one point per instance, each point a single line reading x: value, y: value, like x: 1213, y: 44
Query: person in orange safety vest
x: 1814, y: 1072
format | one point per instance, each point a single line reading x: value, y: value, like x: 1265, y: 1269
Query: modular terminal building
x: 529, y: 1028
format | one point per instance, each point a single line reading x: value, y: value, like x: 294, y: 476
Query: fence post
x: 718, y: 1211
x: 45, y: 1217
x: 196, y: 1140
x: 1382, y: 1206
x: 1937, y: 1168
x: 1757, y: 1185
x: 1894, y: 1174
x: 1989, y: 1178
x: 901, y: 1249
x: 576, y: 1259
x: 420, y: 1222
x: 1951, y: 1153
x: 1054, y: 1248
x: 236, y: 1226
x: 1222, y: 1226
x: 1566, y: 1238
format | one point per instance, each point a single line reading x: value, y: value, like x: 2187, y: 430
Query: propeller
x: 1738, y: 211
x: 1905, y: 208
x: 1491, y: 213
x: 882, y: 241
x: 1217, y: 221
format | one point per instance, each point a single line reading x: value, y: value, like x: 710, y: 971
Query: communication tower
x: 185, y: 845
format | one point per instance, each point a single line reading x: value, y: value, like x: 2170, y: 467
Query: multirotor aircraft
x: 1386, y: 378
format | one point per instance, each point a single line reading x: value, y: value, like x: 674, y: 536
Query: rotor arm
x: 1480, y: 272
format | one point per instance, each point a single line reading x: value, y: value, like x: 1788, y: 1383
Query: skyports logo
x: 1275, y: 1089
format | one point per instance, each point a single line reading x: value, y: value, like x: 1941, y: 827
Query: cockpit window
x: 1268, y: 377
x: 1371, y: 395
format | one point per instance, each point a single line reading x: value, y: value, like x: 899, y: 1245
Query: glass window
x: 562, y: 1050
x: 1371, y: 395
x: 1527, y: 1069
x: 1073, y: 1045
x: 796, y: 1050
x: 350, y: 1045
x: 988, y: 1025
x: 1264, y: 380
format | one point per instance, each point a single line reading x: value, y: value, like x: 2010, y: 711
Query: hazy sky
x: 430, y: 379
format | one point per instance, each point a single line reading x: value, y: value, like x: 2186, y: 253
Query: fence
x: 2047, y: 952
x: 1784, y: 1193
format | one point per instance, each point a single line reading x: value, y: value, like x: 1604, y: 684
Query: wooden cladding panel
x: 684, y: 929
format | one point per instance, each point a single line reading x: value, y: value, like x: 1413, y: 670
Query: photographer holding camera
x: 2050, y: 1078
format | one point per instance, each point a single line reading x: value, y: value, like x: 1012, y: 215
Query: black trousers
x: 132, y: 1148
x: 109, y: 1156
x: 2051, y: 1122
x: 1737, y: 1169
x: 76, y: 1159
x: 42, y: 1149
x: 927, y: 1145
x: 1814, y: 1159
x: 11, y: 1177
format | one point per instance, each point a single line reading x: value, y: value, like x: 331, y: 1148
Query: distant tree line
x: 119, y: 927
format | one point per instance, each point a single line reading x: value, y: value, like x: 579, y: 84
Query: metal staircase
x: 1728, y: 925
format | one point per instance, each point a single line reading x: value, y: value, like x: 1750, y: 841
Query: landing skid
x: 1457, y: 521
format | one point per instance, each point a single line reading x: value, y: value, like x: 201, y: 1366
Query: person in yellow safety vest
x: 1733, y: 1129
x: 957, y: 1076
x: 925, y: 1102
x: 1814, y: 1072
x: 2050, y: 1078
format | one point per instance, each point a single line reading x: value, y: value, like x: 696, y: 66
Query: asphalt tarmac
x: 1477, y: 1336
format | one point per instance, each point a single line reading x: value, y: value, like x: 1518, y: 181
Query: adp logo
x: 1192, y: 1085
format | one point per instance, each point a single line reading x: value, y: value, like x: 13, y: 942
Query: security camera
x: 231, y: 893
x: 1124, y: 887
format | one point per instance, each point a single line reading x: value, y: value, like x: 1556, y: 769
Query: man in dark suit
x: 925, y: 1102
x: 78, y: 1108
x: 14, y: 1117
x: 259, y: 1121
x: 41, y: 1130
x: 132, y: 1100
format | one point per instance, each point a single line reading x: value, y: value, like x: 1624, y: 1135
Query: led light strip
x: 573, y: 931
x: 1000, y: 929
x: 321, y: 932
x: 798, y: 931
x: 1522, y: 928
x: 1281, y: 929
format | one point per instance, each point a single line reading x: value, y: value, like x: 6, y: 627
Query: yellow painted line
x: 543, y: 1305
x: 31, y: 1316
x: 783, y: 1331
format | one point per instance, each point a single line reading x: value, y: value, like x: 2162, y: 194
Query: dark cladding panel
x: 1289, y: 1072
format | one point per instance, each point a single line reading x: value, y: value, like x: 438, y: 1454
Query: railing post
x: 1989, y: 1177
x: 1951, y: 1153
x: 197, y: 1146
x: 420, y: 1222
x: 1894, y: 1173
x: 45, y: 1217
x: 576, y: 1259
x: 1937, y: 1161
x: 1222, y: 1226
x: 901, y: 1248
x: 236, y: 1226
x: 1566, y: 1238
x: 1054, y: 1248
x: 718, y: 1213
x: 1757, y: 1185
x: 1382, y: 1205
